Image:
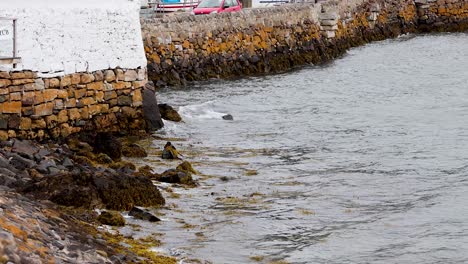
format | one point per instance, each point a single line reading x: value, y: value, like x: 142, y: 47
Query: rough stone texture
x: 41, y: 108
x: 257, y: 41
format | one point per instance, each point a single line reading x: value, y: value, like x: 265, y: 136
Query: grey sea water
x: 362, y: 160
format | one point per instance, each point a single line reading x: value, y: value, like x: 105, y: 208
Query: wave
x: 200, y: 111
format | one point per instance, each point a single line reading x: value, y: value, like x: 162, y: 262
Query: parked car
x: 217, y: 6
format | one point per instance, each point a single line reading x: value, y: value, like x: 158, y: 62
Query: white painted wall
x: 58, y: 37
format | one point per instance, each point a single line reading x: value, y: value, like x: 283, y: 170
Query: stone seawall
x: 258, y: 41
x: 34, y: 107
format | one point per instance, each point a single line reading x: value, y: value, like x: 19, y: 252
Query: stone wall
x: 39, y: 108
x: 258, y: 41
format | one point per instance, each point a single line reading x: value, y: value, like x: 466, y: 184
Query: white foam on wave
x: 200, y: 111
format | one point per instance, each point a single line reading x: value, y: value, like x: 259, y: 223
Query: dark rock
x: 186, y: 167
x: 43, y: 152
x: 45, y: 166
x: 20, y: 163
x: 176, y: 176
x: 90, y: 190
x: 6, y: 180
x: 102, y: 158
x: 170, y: 152
x: 143, y: 214
x: 67, y: 162
x: 151, y: 109
x: 108, y: 144
x: 134, y: 151
x: 24, y: 148
x: 147, y: 171
x: 169, y: 113
x: 228, y: 117
x: 111, y: 218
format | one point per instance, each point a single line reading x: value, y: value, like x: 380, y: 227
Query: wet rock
x: 151, y: 109
x: 67, y: 162
x: 46, y: 166
x: 170, y: 152
x: 146, y: 171
x: 143, y: 214
x: 79, y: 147
x: 24, y: 148
x: 21, y: 163
x: 43, y: 152
x: 102, y: 158
x: 111, y: 218
x: 134, y: 151
x: 123, y: 166
x: 108, y: 144
x: 186, y: 167
x: 169, y: 113
x: 228, y: 117
x: 176, y: 176
x: 90, y: 190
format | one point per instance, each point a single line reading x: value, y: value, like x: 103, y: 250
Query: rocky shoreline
x: 51, y: 193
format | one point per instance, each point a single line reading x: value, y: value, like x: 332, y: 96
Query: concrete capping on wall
x: 34, y: 107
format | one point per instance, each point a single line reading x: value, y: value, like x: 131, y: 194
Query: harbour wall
x: 185, y: 48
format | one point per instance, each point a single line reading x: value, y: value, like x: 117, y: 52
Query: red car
x: 217, y: 6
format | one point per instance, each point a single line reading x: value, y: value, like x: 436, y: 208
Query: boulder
x: 111, y: 218
x: 133, y: 151
x: 88, y: 189
x: 169, y: 152
x: 24, y: 148
x: 176, y: 176
x: 108, y: 144
x: 169, y: 113
x: 186, y: 167
x: 150, y: 108
x: 228, y: 117
x: 139, y: 213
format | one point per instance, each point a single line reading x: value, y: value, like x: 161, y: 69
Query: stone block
x: 79, y: 93
x: 38, y: 124
x: 49, y: 94
x: 43, y: 109
x: 58, y: 104
x: 51, y: 121
x: 65, y: 130
x: 130, y: 76
x: 96, y: 86
x: 3, y: 135
x: 137, y: 98
x: 39, y: 84
x: 11, y: 107
x: 94, y: 109
x: 15, y: 96
x: 139, y: 84
x: 4, y: 83
x: 87, y: 78
x: 70, y: 103
x: 4, y: 91
x: 74, y: 114
x: 122, y: 85
x: 99, y: 96
x: 18, y: 75
x: 75, y: 78
x: 110, y: 95
x: 62, y: 116
x: 84, y: 113
x: 52, y: 83
x: 65, y: 81
x: 98, y: 76
x: 86, y: 101
x: 4, y: 121
x: 124, y: 100
x: 119, y: 74
x: 109, y: 76
x: 14, y: 121
x: 4, y: 75
x: 62, y: 94
x: 141, y: 74
x: 27, y: 110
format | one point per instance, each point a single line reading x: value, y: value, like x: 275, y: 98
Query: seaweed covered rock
x: 108, y: 144
x: 169, y: 113
x: 107, y: 189
x: 186, y: 167
x: 111, y: 218
x: 170, y: 152
x: 133, y: 151
x: 139, y: 213
x: 177, y: 176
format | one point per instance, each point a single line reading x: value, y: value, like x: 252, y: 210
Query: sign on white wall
x: 6, y: 38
